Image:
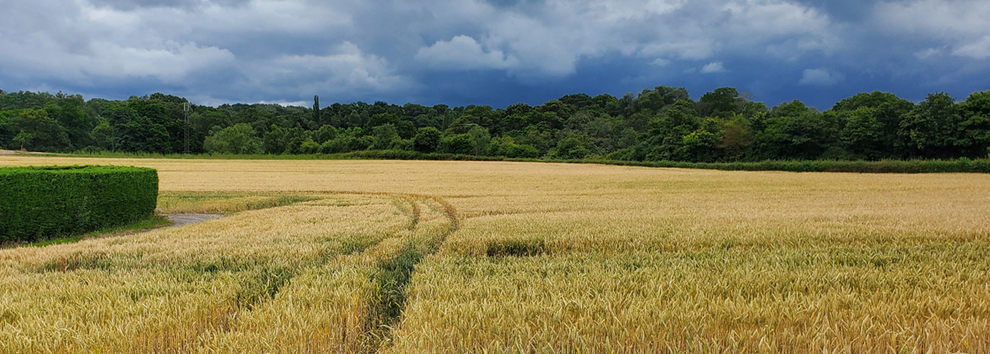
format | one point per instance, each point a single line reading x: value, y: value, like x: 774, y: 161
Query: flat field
x: 452, y: 257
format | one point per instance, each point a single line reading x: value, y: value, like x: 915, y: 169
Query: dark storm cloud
x: 492, y: 51
x: 128, y: 5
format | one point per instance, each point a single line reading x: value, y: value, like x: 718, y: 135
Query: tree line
x: 659, y: 124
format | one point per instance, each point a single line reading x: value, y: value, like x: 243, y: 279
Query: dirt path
x: 189, y: 219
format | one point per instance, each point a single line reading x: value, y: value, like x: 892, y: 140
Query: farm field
x: 450, y: 257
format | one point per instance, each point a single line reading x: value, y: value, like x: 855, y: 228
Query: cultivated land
x: 516, y: 257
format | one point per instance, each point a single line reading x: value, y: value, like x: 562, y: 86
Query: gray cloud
x: 128, y: 5
x: 284, y: 50
x: 713, y: 67
x: 820, y: 77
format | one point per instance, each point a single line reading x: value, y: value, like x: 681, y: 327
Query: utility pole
x: 316, y: 111
x: 185, y: 108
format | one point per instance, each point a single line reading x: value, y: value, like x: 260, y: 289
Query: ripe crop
x: 416, y: 256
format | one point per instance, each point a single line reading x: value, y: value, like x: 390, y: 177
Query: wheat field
x: 506, y: 257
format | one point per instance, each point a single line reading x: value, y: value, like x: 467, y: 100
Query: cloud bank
x: 492, y: 52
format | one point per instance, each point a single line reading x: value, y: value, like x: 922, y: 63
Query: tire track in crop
x: 391, y: 277
x: 257, y: 288
x: 394, y: 275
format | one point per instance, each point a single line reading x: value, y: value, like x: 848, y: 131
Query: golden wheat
x: 546, y: 258
x: 284, y: 272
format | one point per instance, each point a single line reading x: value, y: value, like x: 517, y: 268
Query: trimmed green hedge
x: 45, y: 202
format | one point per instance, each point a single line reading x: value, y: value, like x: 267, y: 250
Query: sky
x: 492, y: 52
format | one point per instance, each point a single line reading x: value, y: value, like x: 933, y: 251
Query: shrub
x: 43, y: 202
x: 461, y: 144
x: 521, y: 151
x: 309, y: 147
x: 427, y: 139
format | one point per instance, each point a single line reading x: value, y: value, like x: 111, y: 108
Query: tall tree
x: 34, y: 130
x: 133, y: 132
x: 975, y: 125
x: 871, y: 124
x: 793, y: 130
x: 316, y: 111
x: 237, y: 139
x: 932, y: 128
x: 723, y: 103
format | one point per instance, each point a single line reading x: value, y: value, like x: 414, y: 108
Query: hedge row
x: 884, y: 166
x: 44, y: 202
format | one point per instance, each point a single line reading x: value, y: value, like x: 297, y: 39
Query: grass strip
x: 151, y: 222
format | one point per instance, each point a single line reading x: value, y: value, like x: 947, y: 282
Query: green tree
x: 723, y: 102
x: 480, y: 139
x: 932, y: 128
x: 68, y: 112
x: 382, y: 119
x: 294, y: 138
x: 103, y: 136
x: 699, y: 146
x: 871, y: 124
x: 34, y: 130
x: 655, y: 101
x: 572, y: 147
x: 236, y: 139
x: 133, y: 132
x: 204, y: 120
x: 274, y: 141
x: 975, y: 126
x: 795, y: 131
x: 309, y: 147
x: 6, y: 129
x: 737, y: 137
x: 702, y: 145
x: 325, y: 133
x: 157, y: 116
x: 427, y: 139
x: 384, y: 137
x: 666, y: 136
x: 461, y: 144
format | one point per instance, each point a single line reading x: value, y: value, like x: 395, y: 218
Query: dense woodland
x: 660, y: 124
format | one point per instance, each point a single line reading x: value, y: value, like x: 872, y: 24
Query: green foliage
x: 883, y: 166
x: 309, y: 147
x: 507, y: 147
x: 975, y: 126
x: 932, y: 128
x: 699, y: 146
x: 480, y: 138
x: 46, y: 202
x: 151, y: 222
x: 133, y: 132
x: 457, y: 144
x: 384, y: 137
x: 427, y: 139
x: 324, y: 134
x: 102, y: 136
x: 737, y: 137
x: 237, y: 139
x: 659, y: 124
x: 34, y: 130
x: 572, y: 147
x: 69, y: 114
x: 665, y: 137
x: 795, y: 131
x: 723, y: 102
